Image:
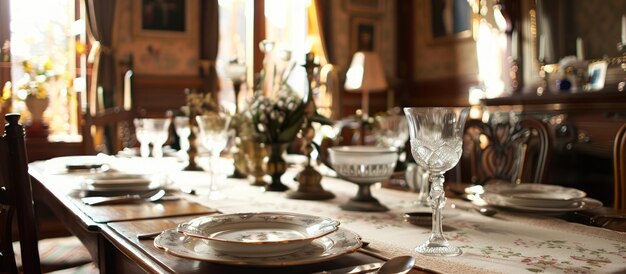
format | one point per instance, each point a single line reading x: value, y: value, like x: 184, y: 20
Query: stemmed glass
x: 436, y: 137
x: 160, y: 133
x: 152, y: 130
x: 392, y: 131
x: 214, y: 136
x: 181, y: 125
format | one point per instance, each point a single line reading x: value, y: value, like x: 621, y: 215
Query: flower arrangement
x: 36, y: 80
x: 279, y: 119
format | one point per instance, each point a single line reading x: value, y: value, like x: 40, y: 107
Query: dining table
x: 510, y: 241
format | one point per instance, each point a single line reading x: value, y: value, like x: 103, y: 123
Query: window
x: 44, y: 37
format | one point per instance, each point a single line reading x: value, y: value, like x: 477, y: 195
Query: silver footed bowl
x: 364, y: 166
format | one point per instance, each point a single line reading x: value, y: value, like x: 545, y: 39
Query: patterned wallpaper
x: 152, y: 53
x: 598, y: 22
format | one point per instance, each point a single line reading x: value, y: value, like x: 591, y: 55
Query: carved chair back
x: 619, y: 168
x: 508, y: 150
x: 16, y: 199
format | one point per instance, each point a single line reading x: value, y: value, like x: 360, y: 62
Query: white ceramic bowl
x: 363, y: 164
x: 261, y: 234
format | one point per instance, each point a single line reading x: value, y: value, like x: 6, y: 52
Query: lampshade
x: 366, y: 73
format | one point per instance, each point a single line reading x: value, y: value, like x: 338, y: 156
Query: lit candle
x: 623, y: 29
x: 127, y: 95
x: 514, y: 45
x: 542, y: 48
x: 580, y: 52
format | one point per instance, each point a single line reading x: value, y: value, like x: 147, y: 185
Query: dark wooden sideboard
x: 583, y: 126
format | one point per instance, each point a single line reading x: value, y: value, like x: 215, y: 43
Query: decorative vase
x: 37, y: 126
x: 255, y: 154
x: 275, y: 166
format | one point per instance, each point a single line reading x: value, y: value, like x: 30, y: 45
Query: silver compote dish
x: 364, y: 166
x: 262, y: 234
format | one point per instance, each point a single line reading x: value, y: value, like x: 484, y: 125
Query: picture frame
x: 366, y: 6
x: 597, y: 75
x: 165, y: 18
x: 365, y: 34
x: 448, y: 21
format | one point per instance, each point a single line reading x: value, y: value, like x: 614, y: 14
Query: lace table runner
x: 505, y: 243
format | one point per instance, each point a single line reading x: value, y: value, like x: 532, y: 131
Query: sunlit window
x: 42, y: 35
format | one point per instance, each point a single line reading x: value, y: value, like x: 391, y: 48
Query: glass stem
x: 212, y: 180
x: 437, y: 200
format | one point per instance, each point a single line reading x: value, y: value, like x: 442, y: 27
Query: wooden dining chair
x: 16, y: 202
x: 619, y: 169
x: 505, y: 151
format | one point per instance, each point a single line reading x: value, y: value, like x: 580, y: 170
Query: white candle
x: 623, y: 29
x: 580, y: 52
x: 514, y: 45
x: 542, y: 48
x: 127, y: 95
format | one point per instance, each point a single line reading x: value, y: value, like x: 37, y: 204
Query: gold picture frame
x: 168, y: 18
x: 365, y: 34
x: 448, y: 21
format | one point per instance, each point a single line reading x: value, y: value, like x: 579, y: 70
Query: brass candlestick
x: 193, y: 126
x: 309, y: 179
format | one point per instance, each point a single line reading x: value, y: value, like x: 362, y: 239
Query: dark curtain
x: 209, y: 40
x: 324, y: 17
x: 100, y: 16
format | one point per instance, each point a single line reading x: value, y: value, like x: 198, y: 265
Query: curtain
x: 100, y: 15
x: 329, y: 99
x: 209, y: 40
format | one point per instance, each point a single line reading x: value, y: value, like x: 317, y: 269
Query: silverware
x: 364, y: 268
x: 148, y: 235
x: 150, y: 196
x: 397, y: 265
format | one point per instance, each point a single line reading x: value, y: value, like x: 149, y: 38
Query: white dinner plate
x: 536, y: 195
x: 119, y: 182
x: 338, y: 243
x: 259, y: 233
x: 576, y: 205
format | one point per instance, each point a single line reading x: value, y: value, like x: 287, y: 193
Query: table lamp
x: 365, y: 75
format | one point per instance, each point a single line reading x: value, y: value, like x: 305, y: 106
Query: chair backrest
x: 109, y: 129
x: 508, y: 151
x: 619, y: 168
x: 16, y: 198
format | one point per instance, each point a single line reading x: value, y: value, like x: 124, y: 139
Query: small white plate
x: 577, y: 205
x: 333, y: 245
x: 536, y: 195
x: 258, y: 234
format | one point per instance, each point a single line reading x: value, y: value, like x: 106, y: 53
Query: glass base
x: 438, y: 250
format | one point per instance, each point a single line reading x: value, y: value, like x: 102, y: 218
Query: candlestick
x: 514, y: 45
x: 542, y: 48
x: 580, y: 52
x: 623, y: 29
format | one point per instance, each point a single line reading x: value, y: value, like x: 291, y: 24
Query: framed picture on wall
x: 597, y: 75
x: 365, y: 34
x: 448, y: 20
x: 162, y: 17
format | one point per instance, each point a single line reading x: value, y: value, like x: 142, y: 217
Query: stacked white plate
x: 538, y: 197
x: 265, y: 238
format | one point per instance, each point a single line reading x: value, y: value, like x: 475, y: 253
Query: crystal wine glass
x: 436, y: 137
x: 214, y: 136
x: 181, y: 125
x: 392, y: 131
x: 159, y: 133
x: 143, y: 137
